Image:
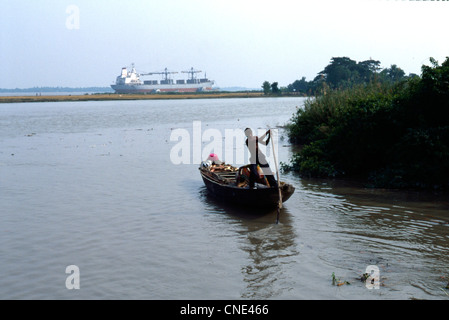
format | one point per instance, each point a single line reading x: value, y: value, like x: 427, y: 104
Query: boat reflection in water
x: 269, y: 247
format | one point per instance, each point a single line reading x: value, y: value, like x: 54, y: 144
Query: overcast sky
x: 237, y: 42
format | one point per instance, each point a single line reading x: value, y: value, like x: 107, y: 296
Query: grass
x: 114, y: 96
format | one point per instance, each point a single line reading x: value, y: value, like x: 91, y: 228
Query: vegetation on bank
x: 340, y: 73
x: 392, y: 134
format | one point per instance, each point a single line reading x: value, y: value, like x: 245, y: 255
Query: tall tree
x: 301, y: 86
x: 367, y: 69
x: 339, y: 72
x: 345, y: 72
x: 275, y: 88
x: 266, y: 87
x: 395, y: 73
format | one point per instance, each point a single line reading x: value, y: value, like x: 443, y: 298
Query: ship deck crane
x: 192, y: 72
x: 166, y: 73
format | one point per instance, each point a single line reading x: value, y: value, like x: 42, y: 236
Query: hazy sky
x: 237, y: 42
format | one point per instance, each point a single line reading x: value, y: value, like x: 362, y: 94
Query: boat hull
x: 144, y: 88
x: 261, y: 197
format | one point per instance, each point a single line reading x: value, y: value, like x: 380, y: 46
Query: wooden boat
x: 227, y: 183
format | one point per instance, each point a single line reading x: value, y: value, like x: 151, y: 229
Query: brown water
x: 92, y: 184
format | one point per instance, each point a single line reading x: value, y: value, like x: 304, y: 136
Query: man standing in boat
x: 257, y: 158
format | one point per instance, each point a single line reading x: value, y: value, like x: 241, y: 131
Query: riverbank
x: 115, y: 96
x: 391, y: 135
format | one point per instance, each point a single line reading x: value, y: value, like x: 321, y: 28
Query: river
x: 95, y: 186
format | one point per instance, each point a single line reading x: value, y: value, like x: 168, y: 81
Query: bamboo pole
x: 279, y: 182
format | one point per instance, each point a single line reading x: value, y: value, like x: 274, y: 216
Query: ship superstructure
x: 129, y: 82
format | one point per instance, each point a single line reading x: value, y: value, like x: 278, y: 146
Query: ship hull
x: 147, y: 88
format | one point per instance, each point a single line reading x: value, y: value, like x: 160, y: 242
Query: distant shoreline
x: 115, y: 96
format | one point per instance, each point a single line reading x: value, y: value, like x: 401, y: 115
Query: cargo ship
x: 129, y: 82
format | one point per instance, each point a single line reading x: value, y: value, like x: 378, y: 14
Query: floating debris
x: 365, y: 277
x: 337, y: 282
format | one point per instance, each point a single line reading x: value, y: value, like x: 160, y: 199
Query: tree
x: 266, y: 87
x: 392, y: 74
x: 274, y: 88
x: 395, y: 73
x: 339, y: 72
x: 301, y: 86
x: 344, y: 72
x: 368, y: 68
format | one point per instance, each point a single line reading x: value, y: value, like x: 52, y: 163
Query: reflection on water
x: 404, y: 233
x: 340, y: 227
x: 269, y: 247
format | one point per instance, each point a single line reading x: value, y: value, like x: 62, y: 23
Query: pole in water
x: 277, y: 218
x: 279, y: 182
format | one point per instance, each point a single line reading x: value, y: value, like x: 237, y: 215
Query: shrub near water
x: 391, y: 135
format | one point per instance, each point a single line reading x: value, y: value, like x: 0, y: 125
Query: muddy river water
x: 100, y: 187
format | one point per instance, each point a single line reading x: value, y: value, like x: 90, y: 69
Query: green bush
x: 393, y: 135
